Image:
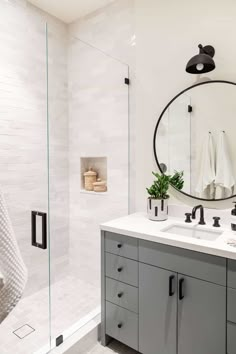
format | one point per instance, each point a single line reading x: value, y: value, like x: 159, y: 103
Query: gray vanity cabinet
x: 199, y: 311
x: 201, y: 317
x: 157, y: 310
x: 160, y: 299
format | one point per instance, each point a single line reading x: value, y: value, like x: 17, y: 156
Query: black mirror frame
x: 158, y: 123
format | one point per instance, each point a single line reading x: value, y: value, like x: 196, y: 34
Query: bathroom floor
x: 114, y: 347
x: 72, y: 299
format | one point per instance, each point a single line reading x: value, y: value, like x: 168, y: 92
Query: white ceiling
x: 69, y: 10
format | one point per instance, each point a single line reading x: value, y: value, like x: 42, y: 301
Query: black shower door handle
x: 43, y: 231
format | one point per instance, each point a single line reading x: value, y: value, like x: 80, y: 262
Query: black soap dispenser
x: 233, y: 218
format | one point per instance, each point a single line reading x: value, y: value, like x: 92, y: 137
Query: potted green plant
x: 158, y: 194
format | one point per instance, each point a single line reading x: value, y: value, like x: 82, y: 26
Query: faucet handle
x: 216, y: 221
x: 188, y: 217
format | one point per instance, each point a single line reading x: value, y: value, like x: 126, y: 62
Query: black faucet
x: 202, y: 221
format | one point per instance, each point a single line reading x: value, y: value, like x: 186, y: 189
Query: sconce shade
x: 202, y: 62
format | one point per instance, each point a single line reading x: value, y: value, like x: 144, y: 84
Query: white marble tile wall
x: 98, y: 119
x: 23, y: 130
x: 98, y: 127
x: 112, y: 30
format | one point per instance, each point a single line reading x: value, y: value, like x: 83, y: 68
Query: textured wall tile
x: 23, y: 130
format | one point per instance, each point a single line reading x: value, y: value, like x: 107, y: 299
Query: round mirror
x: 194, y: 140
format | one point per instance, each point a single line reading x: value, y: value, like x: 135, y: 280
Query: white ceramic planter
x: 157, y: 209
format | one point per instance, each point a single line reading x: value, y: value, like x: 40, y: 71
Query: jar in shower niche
x: 100, y: 186
x: 89, y: 178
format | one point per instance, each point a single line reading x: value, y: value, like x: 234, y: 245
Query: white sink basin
x: 194, y: 232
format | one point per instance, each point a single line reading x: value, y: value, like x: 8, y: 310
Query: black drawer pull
x: 181, y: 293
x: 119, y: 325
x: 119, y: 269
x: 120, y: 295
x: 171, y: 291
x: 119, y: 245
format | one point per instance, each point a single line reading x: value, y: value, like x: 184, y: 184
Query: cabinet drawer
x: 128, y: 321
x: 231, y: 338
x: 121, y: 245
x: 232, y: 273
x: 122, y: 269
x: 231, y: 307
x: 195, y: 264
x: 122, y: 294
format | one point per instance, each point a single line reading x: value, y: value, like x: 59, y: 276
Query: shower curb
x: 83, y: 340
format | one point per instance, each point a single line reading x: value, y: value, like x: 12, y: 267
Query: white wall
x: 167, y: 37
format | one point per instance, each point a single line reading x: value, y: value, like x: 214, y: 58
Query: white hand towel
x: 207, y: 174
x: 225, y: 180
x: 11, y: 265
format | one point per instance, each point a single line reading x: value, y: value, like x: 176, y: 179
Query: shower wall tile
x: 98, y: 126
x: 112, y: 31
x: 23, y: 130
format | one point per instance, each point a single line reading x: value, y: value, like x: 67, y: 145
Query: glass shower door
x: 24, y: 258
x: 92, y: 134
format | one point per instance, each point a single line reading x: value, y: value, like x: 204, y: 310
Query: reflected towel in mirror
x: 12, y: 267
x: 207, y: 173
x: 225, y: 179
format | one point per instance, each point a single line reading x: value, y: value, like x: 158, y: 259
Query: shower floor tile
x: 71, y: 300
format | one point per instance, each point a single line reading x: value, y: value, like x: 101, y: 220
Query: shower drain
x: 24, y: 331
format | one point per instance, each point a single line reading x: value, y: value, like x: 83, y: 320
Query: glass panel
x: 180, y: 139
x: 174, y: 140
x: 92, y: 135
x: 24, y: 275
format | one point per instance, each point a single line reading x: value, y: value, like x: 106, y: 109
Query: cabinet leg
x: 105, y: 340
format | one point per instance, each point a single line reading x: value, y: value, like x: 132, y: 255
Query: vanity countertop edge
x: 139, y: 226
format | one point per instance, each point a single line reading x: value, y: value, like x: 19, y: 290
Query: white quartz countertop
x: 138, y: 225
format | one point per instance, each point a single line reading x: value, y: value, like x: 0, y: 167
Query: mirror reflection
x: 196, y: 135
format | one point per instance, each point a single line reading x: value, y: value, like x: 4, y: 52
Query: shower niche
x: 93, y: 174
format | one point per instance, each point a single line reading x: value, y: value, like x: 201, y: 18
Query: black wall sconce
x: 202, y: 62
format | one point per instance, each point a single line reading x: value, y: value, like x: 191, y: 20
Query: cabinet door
x: 201, y: 317
x: 157, y: 310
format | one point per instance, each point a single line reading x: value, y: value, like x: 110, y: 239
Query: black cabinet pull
x: 171, y: 291
x: 120, y: 295
x: 119, y: 325
x: 119, y: 245
x: 42, y: 231
x: 119, y: 269
x: 181, y: 292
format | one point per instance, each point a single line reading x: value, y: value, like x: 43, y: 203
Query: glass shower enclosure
x: 92, y: 135
x: 24, y: 255
x: 63, y: 112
